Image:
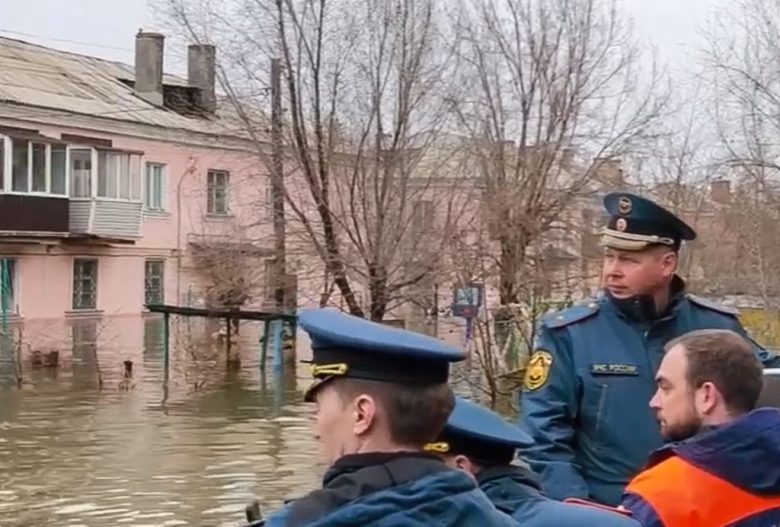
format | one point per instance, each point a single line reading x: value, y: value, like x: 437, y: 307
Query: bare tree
x: 548, y: 82
x: 363, y: 92
x: 742, y: 66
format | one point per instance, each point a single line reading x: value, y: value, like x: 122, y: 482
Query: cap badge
x: 621, y: 224
x: 625, y: 205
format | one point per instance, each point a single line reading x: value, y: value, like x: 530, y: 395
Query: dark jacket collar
x: 641, y: 308
x: 357, y: 475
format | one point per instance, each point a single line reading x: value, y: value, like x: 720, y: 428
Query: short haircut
x: 416, y: 414
x: 725, y: 359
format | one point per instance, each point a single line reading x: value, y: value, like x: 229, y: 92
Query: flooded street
x: 131, y: 454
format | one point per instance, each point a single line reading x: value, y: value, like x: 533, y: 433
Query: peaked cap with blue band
x: 348, y: 346
x: 636, y: 223
x: 480, y: 434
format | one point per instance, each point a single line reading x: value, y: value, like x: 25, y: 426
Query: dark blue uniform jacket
x: 391, y: 490
x: 517, y: 492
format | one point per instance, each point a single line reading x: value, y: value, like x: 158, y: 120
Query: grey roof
x: 37, y: 76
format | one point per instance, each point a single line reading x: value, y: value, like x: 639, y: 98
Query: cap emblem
x: 318, y: 370
x: 625, y: 205
x: 621, y: 224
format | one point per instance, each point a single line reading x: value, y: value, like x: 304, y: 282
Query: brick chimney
x: 201, y: 73
x: 720, y: 191
x: 149, y: 66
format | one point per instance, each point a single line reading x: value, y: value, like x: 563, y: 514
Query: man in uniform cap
x: 381, y: 396
x: 591, y: 374
x: 481, y: 443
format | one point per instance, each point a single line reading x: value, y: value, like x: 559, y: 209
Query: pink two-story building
x: 121, y: 186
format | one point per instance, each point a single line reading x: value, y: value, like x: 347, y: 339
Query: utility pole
x: 277, y: 186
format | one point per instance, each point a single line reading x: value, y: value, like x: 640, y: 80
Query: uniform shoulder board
x: 714, y: 306
x: 559, y: 319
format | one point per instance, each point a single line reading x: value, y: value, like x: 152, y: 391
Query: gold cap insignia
x: 621, y: 224
x: 625, y: 205
x: 538, y: 370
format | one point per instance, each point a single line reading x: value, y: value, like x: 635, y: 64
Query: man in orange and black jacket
x: 723, y: 466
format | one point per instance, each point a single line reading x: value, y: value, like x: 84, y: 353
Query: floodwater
x: 131, y: 453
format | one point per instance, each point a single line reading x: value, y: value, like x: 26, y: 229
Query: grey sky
x: 106, y: 28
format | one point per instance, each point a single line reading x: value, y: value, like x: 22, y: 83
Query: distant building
x: 121, y: 185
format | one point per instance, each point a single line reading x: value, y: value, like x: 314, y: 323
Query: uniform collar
x: 641, y: 308
x: 354, y: 462
x: 519, y: 475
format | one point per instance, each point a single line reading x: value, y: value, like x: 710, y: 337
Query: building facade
x: 119, y: 187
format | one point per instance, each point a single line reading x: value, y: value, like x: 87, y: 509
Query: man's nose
x: 612, y: 268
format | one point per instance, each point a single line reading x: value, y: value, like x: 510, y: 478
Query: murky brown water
x: 131, y: 454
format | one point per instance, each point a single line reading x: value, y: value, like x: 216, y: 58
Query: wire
x: 32, y: 35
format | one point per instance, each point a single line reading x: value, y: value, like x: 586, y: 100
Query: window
x: 8, y: 302
x: 20, y: 166
x: 85, y: 275
x: 81, y: 172
x: 35, y: 167
x: 217, y: 201
x: 154, y: 282
x: 155, y: 176
x: 38, y: 167
x: 59, y: 163
x: 118, y: 175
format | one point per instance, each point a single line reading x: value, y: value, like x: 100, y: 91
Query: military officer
x: 481, y: 443
x: 592, y: 372
x: 381, y: 396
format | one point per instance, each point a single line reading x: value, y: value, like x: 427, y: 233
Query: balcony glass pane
x: 123, y: 165
x: 135, y: 177
x: 58, y: 163
x: 38, y: 167
x: 20, y: 166
x: 80, y: 172
x: 2, y: 163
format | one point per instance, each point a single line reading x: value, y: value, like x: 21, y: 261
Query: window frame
x: 211, y: 189
x: 161, y: 186
x: 161, y: 278
x: 7, y: 179
x: 14, y: 298
x: 96, y: 175
x: 76, y: 262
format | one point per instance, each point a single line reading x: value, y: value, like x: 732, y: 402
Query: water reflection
x: 73, y: 454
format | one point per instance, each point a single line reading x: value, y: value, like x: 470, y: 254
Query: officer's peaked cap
x: 636, y: 223
x: 481, y: 434
x: 344, y: 345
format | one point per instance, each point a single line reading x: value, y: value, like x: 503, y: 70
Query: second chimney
x: 201, y: 73
x: 149, y: 66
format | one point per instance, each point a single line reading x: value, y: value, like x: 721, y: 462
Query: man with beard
x: 724, y: 468
x: 381, y: 395
x: 593, y: 368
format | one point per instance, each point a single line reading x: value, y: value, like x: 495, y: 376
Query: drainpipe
x: 190, y: 170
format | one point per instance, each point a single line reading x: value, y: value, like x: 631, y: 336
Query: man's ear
x: 670, y: 261
x: 707, y: 398
x: 464, y: 463
x: 365, y: 414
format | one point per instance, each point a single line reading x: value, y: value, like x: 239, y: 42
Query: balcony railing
x: 33, y: 214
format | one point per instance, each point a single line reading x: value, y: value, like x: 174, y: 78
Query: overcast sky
x: 105, y: 28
